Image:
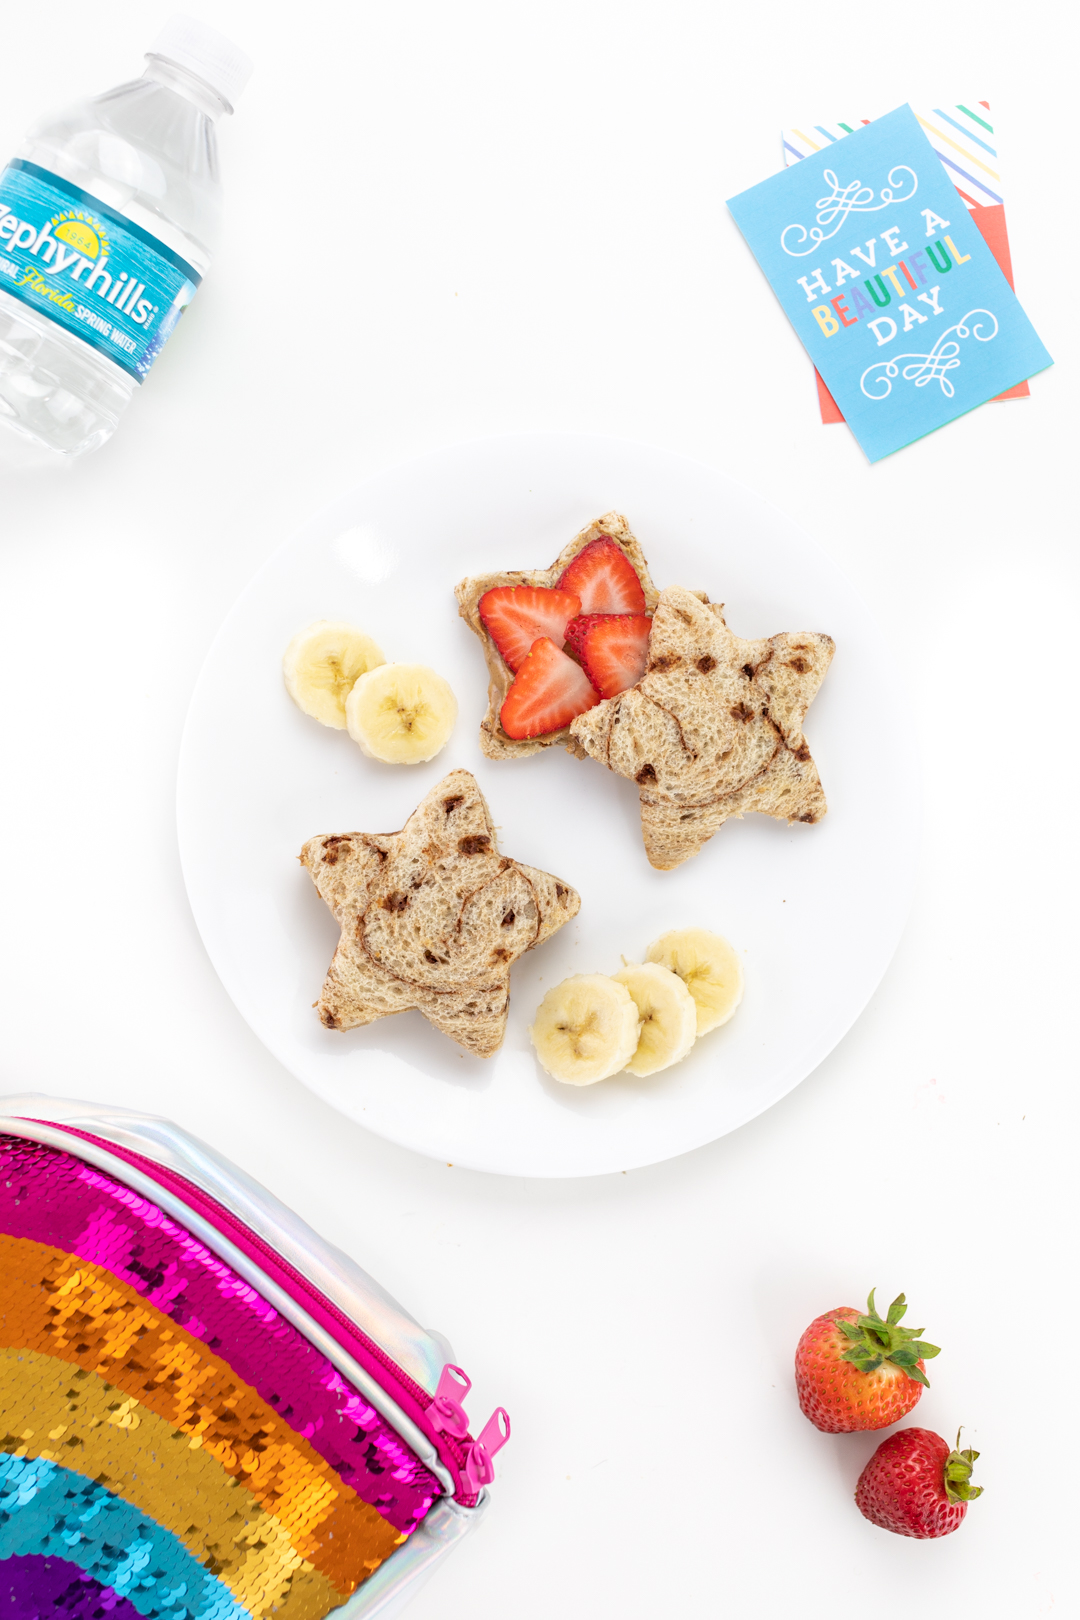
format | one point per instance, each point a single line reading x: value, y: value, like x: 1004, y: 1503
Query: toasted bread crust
x: 713, y: 728
x: 494, y: 742
x: 432, y: 917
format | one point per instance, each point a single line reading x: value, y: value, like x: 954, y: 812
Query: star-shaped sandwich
x: 605, y: 571
x: 713, y: 728
x: 432, y: 917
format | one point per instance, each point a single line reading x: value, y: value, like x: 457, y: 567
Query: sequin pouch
x: 206, y: 1412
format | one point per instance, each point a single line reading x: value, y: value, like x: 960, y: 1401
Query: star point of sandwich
x: 713, y: 728
x: 432, y: 918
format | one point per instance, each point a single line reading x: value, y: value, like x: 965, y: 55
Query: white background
x: 448, y: 220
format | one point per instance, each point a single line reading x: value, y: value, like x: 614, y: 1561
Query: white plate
x: 816, y: 911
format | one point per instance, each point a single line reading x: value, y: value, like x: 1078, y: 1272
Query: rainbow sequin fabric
x: 170, y: 1445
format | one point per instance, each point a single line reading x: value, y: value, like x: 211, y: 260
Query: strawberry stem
x: 876, y: 1339
x: 958, y: 1465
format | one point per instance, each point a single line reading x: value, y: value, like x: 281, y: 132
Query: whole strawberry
x: 915, y: 1486
x: 860, y: 1372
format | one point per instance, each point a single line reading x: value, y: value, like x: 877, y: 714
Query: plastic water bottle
x: 108, y: 216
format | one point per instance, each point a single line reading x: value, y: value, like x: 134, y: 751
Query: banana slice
x: 323, y: 663
x: 401, y: 713
x: 709, y: 968
x: 668, y: 1016
x: 586, y: 1029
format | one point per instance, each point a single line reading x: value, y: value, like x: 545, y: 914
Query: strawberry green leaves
x: 874, y: 1340
x: 958, y: 1466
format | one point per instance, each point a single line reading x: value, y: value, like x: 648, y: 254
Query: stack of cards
x: 889, y: 283
x: 967, y: 144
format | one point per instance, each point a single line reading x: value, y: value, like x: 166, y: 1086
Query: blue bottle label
x: 88, y: 268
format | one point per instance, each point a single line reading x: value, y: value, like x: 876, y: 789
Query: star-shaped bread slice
x: 494, y: 741
x: 713, y: 728
x: 432, y: 917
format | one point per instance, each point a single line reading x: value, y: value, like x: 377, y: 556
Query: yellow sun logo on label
x: 80, y: 231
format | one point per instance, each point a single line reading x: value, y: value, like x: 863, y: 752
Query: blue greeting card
x: 888, y: 283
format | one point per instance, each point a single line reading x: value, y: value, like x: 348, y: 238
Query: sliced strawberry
x: 578, y: 629
x: 517, y: 615
x: 614, y: 651
x: 604, y: 578
x: 548, y: 691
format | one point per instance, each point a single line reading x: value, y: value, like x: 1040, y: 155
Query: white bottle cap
x: 206, y: 53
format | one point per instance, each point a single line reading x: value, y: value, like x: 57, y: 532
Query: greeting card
x: 969, y: 148
x: 889, y: 285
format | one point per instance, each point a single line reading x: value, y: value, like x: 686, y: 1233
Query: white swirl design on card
x: 850, y: 199
x: 933, y: 367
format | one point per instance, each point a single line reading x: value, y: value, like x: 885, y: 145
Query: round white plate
x: 815, y: 911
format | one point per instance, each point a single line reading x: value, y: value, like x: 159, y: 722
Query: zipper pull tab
x: 479, y: 1470
x: 446, y: 1411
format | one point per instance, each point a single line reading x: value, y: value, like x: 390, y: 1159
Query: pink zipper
x: 468, y: 1461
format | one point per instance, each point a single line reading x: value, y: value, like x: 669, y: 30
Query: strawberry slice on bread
x: 605, y: 572
x: 578, y: 629
x: 548, y: 691
x: 613, y: 650
x: 605, y: 579
x: 517, y: 615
